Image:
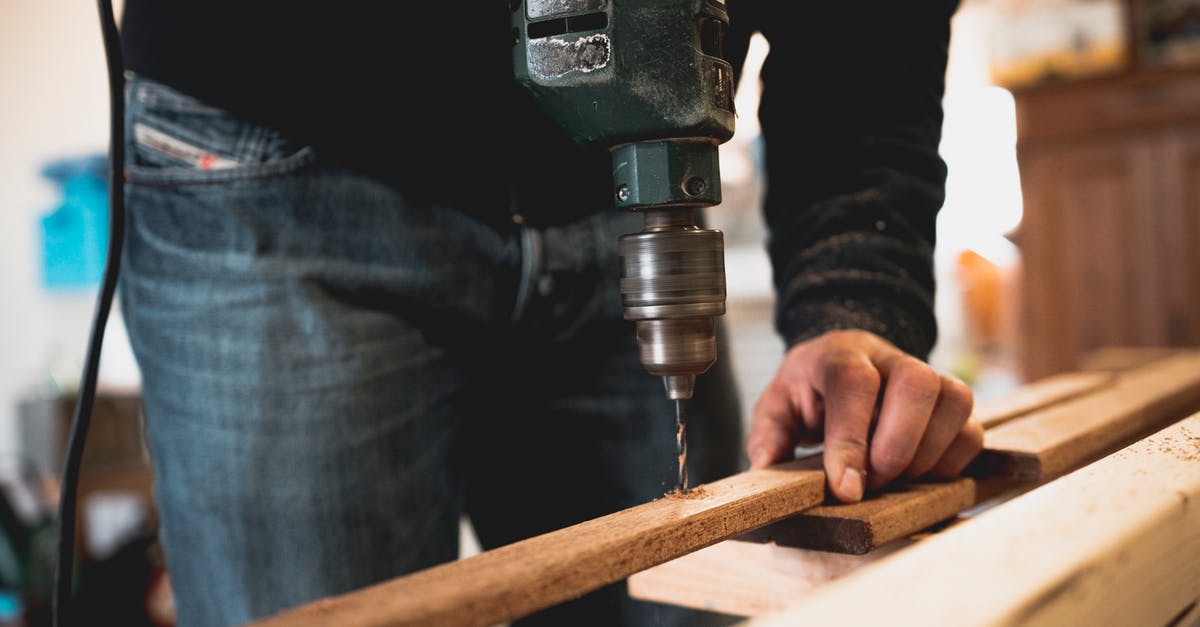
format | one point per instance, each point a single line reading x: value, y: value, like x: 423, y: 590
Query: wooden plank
x: 1117, y: 543
x: 859, y: 528
x: 1099, y: 419
x: 750, y: 578
x: 1070, y: 435
x: 1039, y: 395
x: 515, y: 580
x: 747, y: 578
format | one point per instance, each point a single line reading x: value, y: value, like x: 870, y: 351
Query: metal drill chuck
x: 673, y: 287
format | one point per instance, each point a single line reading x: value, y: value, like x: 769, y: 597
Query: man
x: 371, y: 289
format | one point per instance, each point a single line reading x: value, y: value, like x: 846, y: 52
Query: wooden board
x: 1117, y: 543
x: 515, y: 580
x: 1039, y: 395
x: 747, y: 578
x: 1068, y: 435
x: 902, y: 510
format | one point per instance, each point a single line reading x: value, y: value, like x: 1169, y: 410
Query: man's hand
x: 831, y: 385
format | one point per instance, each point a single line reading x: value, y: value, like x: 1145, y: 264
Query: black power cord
x: 64, y: 573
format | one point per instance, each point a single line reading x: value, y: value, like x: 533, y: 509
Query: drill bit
x: 681, y: 444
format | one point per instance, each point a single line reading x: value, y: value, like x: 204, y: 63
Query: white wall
x: 53, y: 104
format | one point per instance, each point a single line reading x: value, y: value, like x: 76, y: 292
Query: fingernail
x: 758, y: 458
x: 852, y: 484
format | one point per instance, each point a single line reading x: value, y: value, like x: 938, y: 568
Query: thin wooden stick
x: 747, y: 578
x: 1067, y: 436
x: 1039, y: 395
x: 515, y: 580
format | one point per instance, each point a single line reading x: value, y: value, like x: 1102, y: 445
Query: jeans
x: 335, y: 373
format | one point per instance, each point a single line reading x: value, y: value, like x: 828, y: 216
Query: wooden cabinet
x: 1110, y: 239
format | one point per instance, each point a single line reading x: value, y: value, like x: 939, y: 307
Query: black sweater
x: 420, y: 95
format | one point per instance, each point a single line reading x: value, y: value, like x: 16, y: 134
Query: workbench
x: 1084, y: 509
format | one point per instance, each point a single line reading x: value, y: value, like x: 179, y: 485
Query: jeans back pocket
x: 173, y: 138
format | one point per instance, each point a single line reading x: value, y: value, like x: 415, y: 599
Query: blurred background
x: 1072, y: 213
x: 1072, y: 135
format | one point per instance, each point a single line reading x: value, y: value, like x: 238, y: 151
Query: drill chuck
x: 673, y: 288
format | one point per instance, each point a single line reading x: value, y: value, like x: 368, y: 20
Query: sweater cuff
x: 911, y: 333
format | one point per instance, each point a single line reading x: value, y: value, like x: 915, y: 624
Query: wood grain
x: 1117, y: 543
x: 1070, y: 435
x: 747, y: 578
x: 515, y: 580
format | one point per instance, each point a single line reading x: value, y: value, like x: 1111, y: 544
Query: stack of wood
x: 1117, y: 542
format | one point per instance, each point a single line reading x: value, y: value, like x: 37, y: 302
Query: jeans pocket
x: 173, y: 138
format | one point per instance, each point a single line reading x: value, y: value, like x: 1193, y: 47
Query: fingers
x: 967, y: 444
x: 949, y: 415
x: 849, y: 387
x: 774, y: 427
x: 910, y: 397
x: 832, y: 384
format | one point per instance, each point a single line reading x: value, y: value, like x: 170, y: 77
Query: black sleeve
x: 851, y: 116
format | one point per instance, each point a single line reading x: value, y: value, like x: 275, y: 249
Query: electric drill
x: 647, y: 80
